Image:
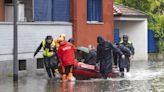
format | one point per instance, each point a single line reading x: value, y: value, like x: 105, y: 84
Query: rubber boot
x: 64, y: 77
x: 128, y: 69
x: 122, y: 74
x: 71, y: 77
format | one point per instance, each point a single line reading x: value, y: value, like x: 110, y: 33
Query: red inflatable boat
x: 86, y: 71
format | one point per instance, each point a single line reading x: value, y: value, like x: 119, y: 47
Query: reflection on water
x: 99, y: 86
x: 15, y: 87
x: 144, y: 77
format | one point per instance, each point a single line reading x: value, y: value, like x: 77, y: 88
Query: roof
x: 122, y: 10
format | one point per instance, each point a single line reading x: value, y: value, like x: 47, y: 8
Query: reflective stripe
x: 43, y: 43
x: 63, y: 69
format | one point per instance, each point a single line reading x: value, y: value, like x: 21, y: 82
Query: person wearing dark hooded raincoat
x: 129, y: 45
x: 123, y: 62
x: 115, y: 59
x: 104, y: 56
x: 71, y: 40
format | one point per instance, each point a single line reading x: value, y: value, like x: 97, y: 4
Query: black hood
x: 49, y: 38
x: 125, y: 38
x: 100, y: 40
x: 71, y: 40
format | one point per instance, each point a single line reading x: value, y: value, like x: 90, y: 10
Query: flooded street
x: 144, y: 77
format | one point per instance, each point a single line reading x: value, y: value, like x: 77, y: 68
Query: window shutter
x: 43, y: 10
x: 61, y: 10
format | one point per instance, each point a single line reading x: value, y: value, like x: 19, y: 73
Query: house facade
x: 82, y: 20
x: 132, y: 22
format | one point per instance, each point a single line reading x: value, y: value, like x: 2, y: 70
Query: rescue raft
x: 86, y: 71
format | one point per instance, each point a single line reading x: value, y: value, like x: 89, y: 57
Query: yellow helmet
x: 60, y: 39
x: 62, y: 36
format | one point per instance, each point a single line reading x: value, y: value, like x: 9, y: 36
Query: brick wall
x: 2, y: 14
x: 86, y: 33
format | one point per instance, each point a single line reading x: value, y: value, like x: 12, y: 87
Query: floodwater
x: 144, y: 77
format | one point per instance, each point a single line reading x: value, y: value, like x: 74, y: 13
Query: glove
x: 34, y: 55
x: 123, y: 56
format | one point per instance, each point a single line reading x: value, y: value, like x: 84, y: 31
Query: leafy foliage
x: 155, y: 10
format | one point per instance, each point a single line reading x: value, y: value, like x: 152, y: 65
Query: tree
x: 155, y: 10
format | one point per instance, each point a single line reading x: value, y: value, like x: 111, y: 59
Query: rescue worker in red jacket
x: 66, y: 53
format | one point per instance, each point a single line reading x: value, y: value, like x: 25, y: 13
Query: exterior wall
x: 29, y: 37
x: 6, y: 68
x: 137, y: 32
x: 2, y: 14
x: 86, y: 33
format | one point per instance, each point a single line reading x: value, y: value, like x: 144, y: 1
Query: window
x: 51, y: 10
x: 23, y: 12
x: 94, y: 10
x: 8, y: 1
x: 22, y: 65
x: 40, y: 64
x: 28, y: 10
